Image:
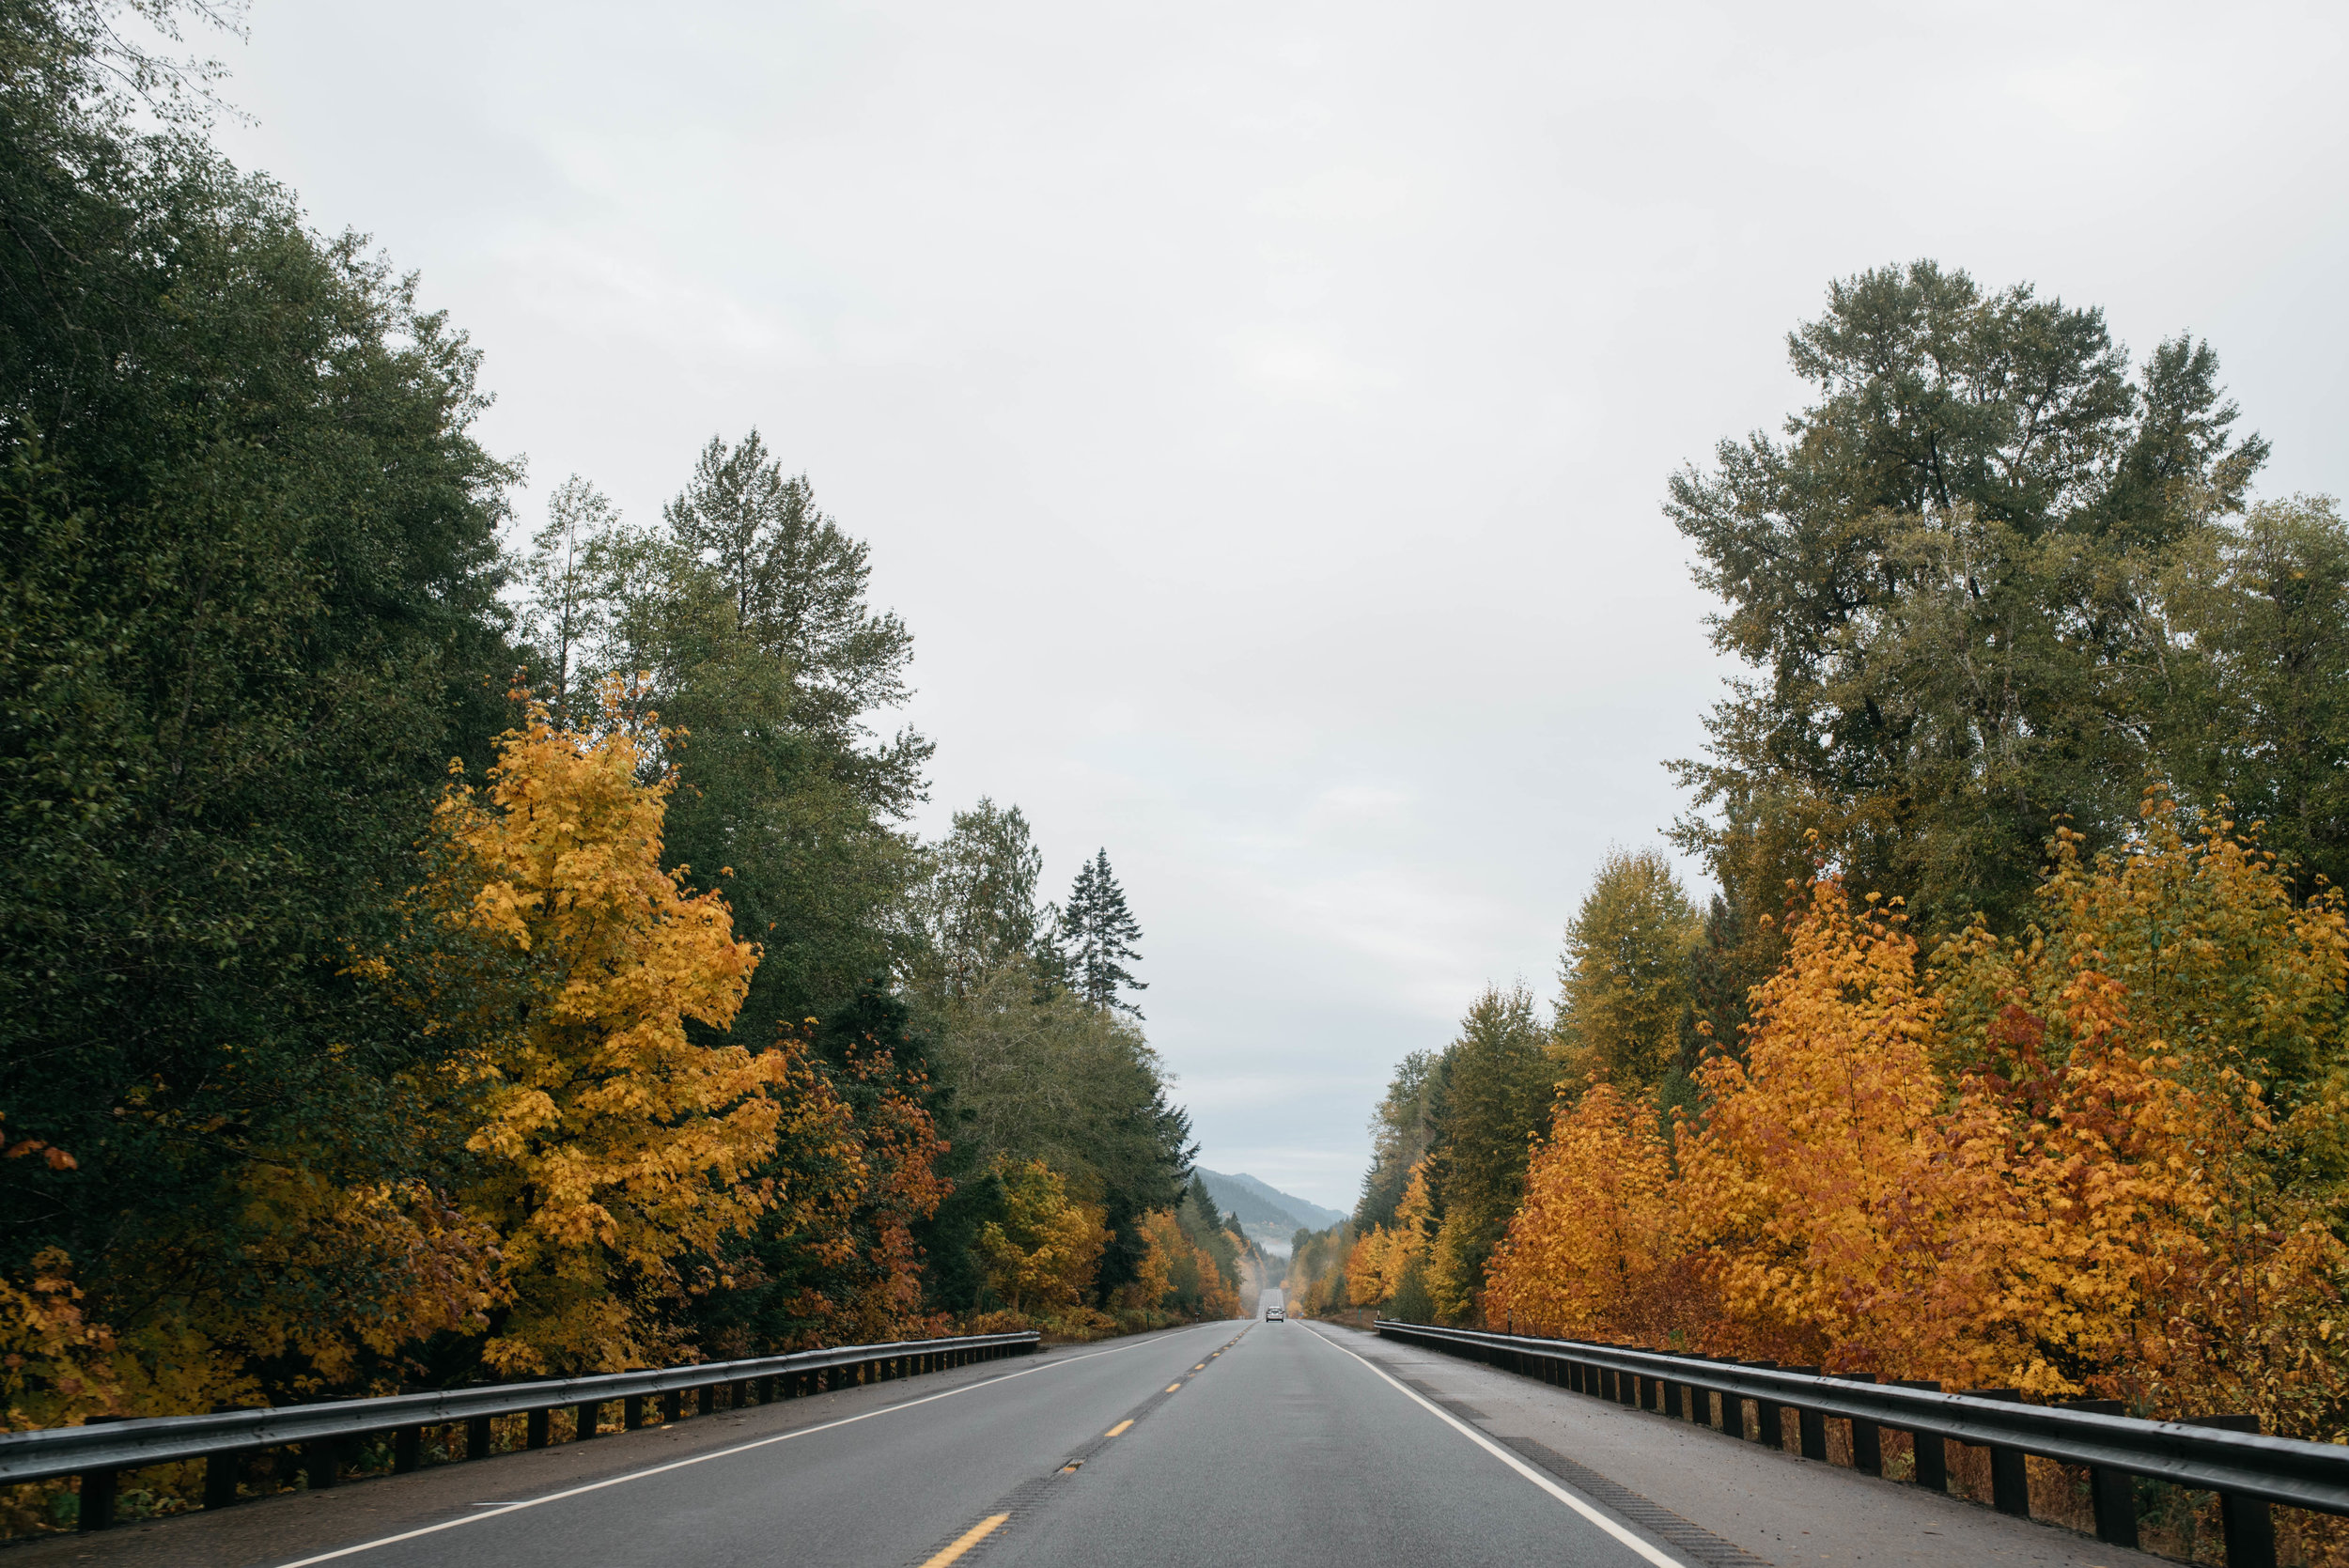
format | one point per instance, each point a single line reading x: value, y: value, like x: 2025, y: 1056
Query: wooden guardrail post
x: 1933, y: 1456
x: 1766, y: 1426
x: 323, y: 1462
x: 1810, y: 1425
x: 407, y: 1450
x: 2010, y: 1483
x: 94, y: 1506
x: 479, y: 1438
x: 2112, y: 1494
x: 1867, y: 1444
x: 2249, y: 1527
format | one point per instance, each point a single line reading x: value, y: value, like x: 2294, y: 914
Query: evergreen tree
x: 1097, y: 934
x: 793, y: 582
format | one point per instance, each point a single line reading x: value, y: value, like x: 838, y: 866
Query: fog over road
x: 1301, y: 1444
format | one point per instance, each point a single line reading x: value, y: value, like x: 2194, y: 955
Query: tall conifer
x: 1098, y: 933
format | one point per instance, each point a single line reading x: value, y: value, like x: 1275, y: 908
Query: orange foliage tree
x: 2105, y: 1156
x: 611, y: 1145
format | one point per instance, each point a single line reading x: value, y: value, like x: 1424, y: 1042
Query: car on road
x: 1275, y: 1314
x: 1275, y: 1310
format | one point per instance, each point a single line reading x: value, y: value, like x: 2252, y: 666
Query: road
x: 1299, y: 1444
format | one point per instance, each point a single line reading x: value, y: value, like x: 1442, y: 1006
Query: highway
x: 1299, y: 1443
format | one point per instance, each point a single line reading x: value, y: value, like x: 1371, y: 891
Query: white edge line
x: 1644, y: 1548
x: 501, y: 1511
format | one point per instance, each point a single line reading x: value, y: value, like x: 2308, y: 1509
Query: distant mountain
x: 1269, y: 1215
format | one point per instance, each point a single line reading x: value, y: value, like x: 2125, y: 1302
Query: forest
x: 432, y: 961
x: 2008, y: 1046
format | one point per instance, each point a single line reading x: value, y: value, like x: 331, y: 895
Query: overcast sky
x: 1259, y: 412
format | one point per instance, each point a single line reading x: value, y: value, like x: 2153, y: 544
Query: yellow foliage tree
x: 612, y: 1144
x: 1041, y: 1255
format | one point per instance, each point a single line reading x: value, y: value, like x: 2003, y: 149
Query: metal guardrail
x: 97, y: 1450
x: 2226, y: 1455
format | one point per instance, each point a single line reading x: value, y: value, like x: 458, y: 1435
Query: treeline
x: 429, y: 964
x: 2009, y: 1049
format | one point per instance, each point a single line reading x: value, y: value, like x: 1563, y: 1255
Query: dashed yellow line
x: 967, y: 1540
x: 1118, y: 1428
x: 1174, y: 1387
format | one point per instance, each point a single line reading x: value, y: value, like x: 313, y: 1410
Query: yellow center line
x: 967, y: 1540
x: 1174, y: 1387
x: 1118, y: 1428
x: 1201, y: 1367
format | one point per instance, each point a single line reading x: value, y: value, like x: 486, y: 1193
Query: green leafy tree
x: 978, y: 909
x: 1944, y: 579
x: 2254, y: 694
x: 249, y: 608
x: 1624, y: 980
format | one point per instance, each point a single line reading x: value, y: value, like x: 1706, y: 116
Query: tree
x: 794, y: 583
x: 978, y: 909
x: 1098, y: 933
x: 1401, y: 1132
x: 1587, y: 1249
x: 1946, y: 583
x: 1501, y: 1081
x: 1041, y: 1255
x: 1624, y: 993
x: 249, y: 608
x: 2254, y: 696
x: 564, y: 578
x: 611, y: 1146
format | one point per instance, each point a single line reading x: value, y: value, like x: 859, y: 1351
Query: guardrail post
x: 2249, y: 1530
x: 633, y: 1413
x: 1673, y: 1407
x: 478, y: 1437
x: 2112, y: 1493
x: 583, y: 1420
x: 2010, y: 1485
x: 97, y: 1503
x: 407, y: 1450
x: 323, y: 1461
x: 1933, y: 1456
x: 535, y: 1429
x: 1766, y: 1429
x: 766, y: 1385
x: 1810, y: 1425
x: 705, y: 1399
x: 1650, y: 1395
x: 1867, y: 1445
x: 672, y: 1406
x: 220, y: 1480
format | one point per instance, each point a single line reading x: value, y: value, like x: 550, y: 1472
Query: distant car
x: 1275, y: 1314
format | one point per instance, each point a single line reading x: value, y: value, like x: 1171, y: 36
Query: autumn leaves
x: 2101, y: 1157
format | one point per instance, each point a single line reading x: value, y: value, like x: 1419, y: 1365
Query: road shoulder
x: 1761, y: 1506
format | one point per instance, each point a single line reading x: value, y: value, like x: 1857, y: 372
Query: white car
x: 1275, y: 1314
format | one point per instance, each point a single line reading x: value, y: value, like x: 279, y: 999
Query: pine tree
x: 1098, y: 933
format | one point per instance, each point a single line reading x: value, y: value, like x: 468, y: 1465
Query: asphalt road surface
x: 1299, y: 1444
